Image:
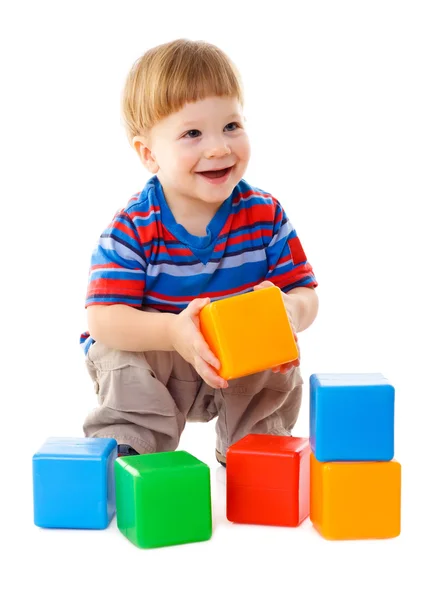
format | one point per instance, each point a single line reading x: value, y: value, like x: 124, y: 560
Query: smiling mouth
x: 216, y: 173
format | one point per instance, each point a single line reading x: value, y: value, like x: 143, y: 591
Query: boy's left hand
x: 290, y: 313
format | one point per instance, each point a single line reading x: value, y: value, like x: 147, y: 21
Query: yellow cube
x: 249, y: 333
x: 355, y: 500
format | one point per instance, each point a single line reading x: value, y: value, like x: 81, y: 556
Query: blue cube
x: 73, y: 483
x: 351, y: 417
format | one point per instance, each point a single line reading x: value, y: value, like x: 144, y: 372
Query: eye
x: 232, y: 126
x: 192, y: 133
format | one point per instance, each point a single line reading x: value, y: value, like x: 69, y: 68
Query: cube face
x: 356, y: 500
x: 265, y: 461
x: 73, y: 483
x: 259, y: 506
x: 351, y: 417
x: 268, y: 480
x: 163, y: 499
x: 249, y: 332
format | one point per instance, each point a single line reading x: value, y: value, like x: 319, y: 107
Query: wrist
x: 303, y: 304
x: 293, y: 310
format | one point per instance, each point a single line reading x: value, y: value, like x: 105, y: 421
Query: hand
x: 290, y: 310
x: 188, y: 341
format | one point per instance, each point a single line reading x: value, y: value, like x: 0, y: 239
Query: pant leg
x: 264, y: 402
x: 143, y: 397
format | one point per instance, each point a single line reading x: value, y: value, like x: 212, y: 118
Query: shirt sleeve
x: 288, y: 266
x: 118, y: 265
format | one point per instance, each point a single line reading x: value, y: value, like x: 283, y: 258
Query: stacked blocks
x: 355, y: 483
x: 249, y: 332
x: 268, y: 480
x: 73, y: 483
x: 163, y: 499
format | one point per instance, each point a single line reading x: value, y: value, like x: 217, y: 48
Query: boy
x: 197, y: 232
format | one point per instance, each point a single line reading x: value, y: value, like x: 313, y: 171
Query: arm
x: 126, y: 328
x: 290, y: 270
x: 116, y: 288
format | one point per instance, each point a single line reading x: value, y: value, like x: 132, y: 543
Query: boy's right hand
x: 188, y: 341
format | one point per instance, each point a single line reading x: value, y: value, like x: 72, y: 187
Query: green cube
x: 163, y: 499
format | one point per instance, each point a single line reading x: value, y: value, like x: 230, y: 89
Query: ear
x: 141, y: 145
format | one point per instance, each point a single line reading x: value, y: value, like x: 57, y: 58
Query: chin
x: 219, y: 196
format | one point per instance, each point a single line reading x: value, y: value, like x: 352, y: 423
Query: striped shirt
x: 144, y: 258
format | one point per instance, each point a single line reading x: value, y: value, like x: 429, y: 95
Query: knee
x: 108, y: 359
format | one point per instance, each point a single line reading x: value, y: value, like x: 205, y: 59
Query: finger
x: 288, y: 366
x: 208, y: 374
x: 203, y: 350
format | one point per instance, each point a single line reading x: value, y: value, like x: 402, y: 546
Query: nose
x: 217, y: 150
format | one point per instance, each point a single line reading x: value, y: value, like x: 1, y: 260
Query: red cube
x: 268, y: 480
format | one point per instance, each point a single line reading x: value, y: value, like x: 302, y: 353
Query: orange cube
x: 249, y: 333
x: 355, y: 500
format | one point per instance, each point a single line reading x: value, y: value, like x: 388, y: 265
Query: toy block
x: 355, y: 500
x: 73, y: 483
x: 268, y: 480
x: 351, y: 417
x: 249, y: 332
x: 163, y: 499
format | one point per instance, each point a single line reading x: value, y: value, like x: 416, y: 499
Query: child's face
x: 203, y: 136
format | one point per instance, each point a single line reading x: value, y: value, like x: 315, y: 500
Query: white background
x: 339, y: 103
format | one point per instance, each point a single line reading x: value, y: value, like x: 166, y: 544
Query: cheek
x: 243, y: 149
x: 185, y: 160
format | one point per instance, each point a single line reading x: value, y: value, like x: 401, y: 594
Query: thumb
x: 197, y: 304
x: 264, y: 284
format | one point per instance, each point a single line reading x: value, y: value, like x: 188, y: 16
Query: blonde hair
x: 170, y: 75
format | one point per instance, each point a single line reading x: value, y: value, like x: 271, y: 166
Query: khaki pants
x: 145, y: 399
